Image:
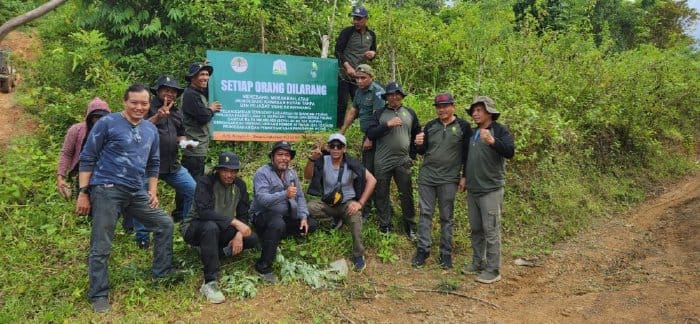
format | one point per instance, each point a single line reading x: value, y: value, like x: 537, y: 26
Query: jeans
x: 184, y: 187
x: 346, y: 91
x: 320, y: 210
x: 271, y: 228
x: 402, y: 177
x: 212, y: 237
x: 194, y: 164
x: 485, y: 223
x: 107, y: 202
x: 445, y: 194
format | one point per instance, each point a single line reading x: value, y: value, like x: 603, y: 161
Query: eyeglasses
x: 135, y: 134
x: 336, y: 146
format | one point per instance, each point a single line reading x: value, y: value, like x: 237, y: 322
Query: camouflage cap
x: 488, y: 103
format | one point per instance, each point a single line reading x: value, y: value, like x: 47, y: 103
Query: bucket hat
x: 195, y: 68
x: 488, y: 103
x: 167, y: 80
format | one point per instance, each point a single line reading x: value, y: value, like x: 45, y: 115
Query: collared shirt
x: 367, y: 101
x: 351, y: 45
x: 486, y: 163
x: 394, y: 147
x: 445, y: 151
x: 118, y: 152
x: 197, y: 115
x: 169, y: 129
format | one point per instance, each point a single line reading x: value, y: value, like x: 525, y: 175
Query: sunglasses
x: 335, y: 146
x: 135, y: 134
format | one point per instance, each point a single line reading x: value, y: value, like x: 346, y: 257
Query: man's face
x: 201, y: 80
x: 480, y: 115
x: 394, y: 99
x: 363, y: 80
x: 281, y: 158
x: 227, y: 176
x: 337, y: 149
x: 359, y: 22
x: 167, y: 92
x: 445, y: 111
x: 136, y: 105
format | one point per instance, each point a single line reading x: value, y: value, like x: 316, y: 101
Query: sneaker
x: 359, y: 263
x: 445, y: 261
x: 419, y: 259
x: 488, y: 277
x: 473, y: 268
x: 268, y: 277
x: 411, y: 234
x: 212, y: 292
x: 143, y: 245
x: 101, y: 305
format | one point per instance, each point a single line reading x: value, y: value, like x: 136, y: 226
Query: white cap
x: 337, y: 137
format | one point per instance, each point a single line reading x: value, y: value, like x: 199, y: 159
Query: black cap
x: 228, y: 160
x: 167, y: 80
x: 195, y: 68
x: 283, y: 145
x: 392, y: 87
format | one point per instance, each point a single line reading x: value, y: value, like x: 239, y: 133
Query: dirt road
x: 13, y: 121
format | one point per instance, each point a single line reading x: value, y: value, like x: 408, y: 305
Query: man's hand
x: 354, y: 206
x: 152, y: 199
x: 236, y: 244
x: 394, y: 122
x: 462, y: 184
x: 63, y: 187
x: 215, y: 106
x: 485, y: 134
x: 241, y: 227
x: 304, y: 227
x: 82, y: 205
x: 291, y: 191
x: 369, y: 54
x: 316, y: 152
x: 350, y: 71
x: 420, y: 138
x: 367, y: 144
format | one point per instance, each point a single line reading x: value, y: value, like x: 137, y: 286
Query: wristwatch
x: 85, y: 190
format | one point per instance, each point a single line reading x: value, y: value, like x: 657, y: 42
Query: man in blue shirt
x: 120, y: 152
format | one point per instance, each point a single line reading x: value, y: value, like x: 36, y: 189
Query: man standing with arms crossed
x: 368, y: 99
x: 120, y: 152
x: 490, y: 145
x: 355, y: 45
x: 198, y: 114
x: 444, y: 143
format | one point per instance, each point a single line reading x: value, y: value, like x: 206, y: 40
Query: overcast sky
x: 696, y: 32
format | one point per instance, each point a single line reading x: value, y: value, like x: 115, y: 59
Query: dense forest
x: 602, y: 96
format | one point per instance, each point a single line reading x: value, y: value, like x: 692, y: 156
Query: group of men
x: 125, y: 153
x: 455, y: 156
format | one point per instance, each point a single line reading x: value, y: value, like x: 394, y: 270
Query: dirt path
x: 13, y: 121
x: 639, y: 267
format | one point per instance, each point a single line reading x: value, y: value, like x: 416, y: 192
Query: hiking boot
x: 212, y: 292
x: 488, y: 277
x: 473, y: 268
x: 143, y: 245
x: 445, y: 261
x: 359, y: 263
x: 101, y: 305
x: 419, y: 259
x: 268, y: 277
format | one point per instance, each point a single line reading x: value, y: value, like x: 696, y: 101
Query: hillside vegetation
x: 603, y: 98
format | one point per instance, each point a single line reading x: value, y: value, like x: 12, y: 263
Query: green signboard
x: 268, y: 97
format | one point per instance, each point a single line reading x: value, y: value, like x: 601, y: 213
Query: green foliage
x: 239, y: 284
x: 293, y: 270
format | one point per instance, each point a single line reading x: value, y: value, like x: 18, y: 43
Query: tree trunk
x: 22, y: 19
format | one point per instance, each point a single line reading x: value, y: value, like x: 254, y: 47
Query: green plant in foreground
x: 385, y: 249
x: 240, y: 284
x: 310, y: 274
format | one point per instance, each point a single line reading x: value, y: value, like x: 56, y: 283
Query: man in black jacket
x: 345, y: 185
x: 218, y: 222
x: 491, y: 144
x: 355, y: 45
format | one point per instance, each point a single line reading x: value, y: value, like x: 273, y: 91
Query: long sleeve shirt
x: 270, y: 193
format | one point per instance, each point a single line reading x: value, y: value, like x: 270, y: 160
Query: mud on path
x: 642, y: 266
x: 13, y: 121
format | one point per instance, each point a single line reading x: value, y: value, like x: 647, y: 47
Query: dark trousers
x: 402, y: 177
x: 271, y: 228
x: 194, y: 164
x: 346, y: 90
x: 368, y: 163
x: 212, y: 237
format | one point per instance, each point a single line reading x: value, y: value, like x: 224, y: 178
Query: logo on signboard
x: 314, y: 69
x: 279, y: 67
x: 239, y: 64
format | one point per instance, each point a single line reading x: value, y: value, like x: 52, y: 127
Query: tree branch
x: 22, y: 19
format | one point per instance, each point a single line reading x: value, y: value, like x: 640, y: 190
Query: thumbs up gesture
x: 291, y: 191
x: 420, y: 138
